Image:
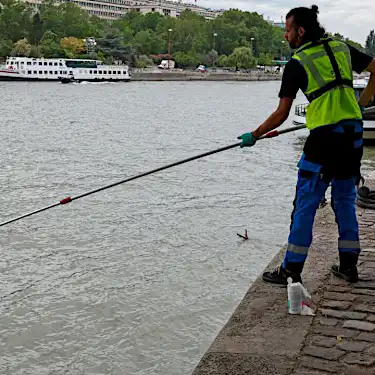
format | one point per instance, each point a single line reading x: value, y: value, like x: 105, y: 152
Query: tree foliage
x: 370, y: 43
x: 57, y: 29
x: 72, y: 46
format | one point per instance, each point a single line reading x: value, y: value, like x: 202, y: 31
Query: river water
x: 140, y: 278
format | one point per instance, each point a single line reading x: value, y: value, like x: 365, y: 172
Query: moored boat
x: 63, y: 70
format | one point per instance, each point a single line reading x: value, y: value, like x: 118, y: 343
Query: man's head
x: 302, y: 26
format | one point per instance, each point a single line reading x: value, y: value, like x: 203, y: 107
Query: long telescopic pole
x: 66, y: 200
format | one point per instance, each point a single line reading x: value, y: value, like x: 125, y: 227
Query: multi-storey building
x: 114, y: 9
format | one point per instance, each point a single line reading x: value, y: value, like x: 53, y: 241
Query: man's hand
x: 248, y: 140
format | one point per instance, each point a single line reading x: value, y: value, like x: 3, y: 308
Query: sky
x: 342, y: 16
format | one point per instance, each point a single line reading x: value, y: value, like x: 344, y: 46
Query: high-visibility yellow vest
x: 329, y: 90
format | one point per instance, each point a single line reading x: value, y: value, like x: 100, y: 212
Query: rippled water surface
x: 140, y: 278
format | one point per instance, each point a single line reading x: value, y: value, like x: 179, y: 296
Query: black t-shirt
x: 295, y: 77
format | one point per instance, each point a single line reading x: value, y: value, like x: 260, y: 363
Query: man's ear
x: 301, y: 32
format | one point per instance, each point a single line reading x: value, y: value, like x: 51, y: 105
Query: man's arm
x: 276, y: 118
x: 369, y: 90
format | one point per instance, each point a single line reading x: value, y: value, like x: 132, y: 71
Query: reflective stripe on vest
x: 330, y: 82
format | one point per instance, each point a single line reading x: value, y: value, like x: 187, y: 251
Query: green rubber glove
x: 248, y: 140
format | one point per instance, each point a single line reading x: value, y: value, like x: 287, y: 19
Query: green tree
x: 15, y: 20
x: 36, y: 31
x: 242, y: 57
x: 50, y: 46
x: 35, y: 51
x: 21, y: 48
x: 370, y: 43
x: 143, y: 61
x: 265, y: 59
x: 6, y: 47
x: 186, y: 60
x: 223, y: 61
x: 112, y: 47
x: 72, y: 46
x: 100, y: 56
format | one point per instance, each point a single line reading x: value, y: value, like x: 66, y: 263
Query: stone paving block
x: 324, y: 341
x: 371, y: 318
x: 368, y: 250
x: 331, y: 354
x: 321, y: 364
x: 367, y: 292
x: 339, y: 288
x: 328, y: 322
x: 364, y: 285
x: 370, y: 264
x: 340, y: 296
x: 361, y: 326
x: 358, y: 370
x: 363, y: 308
x: 359, y: 359
x: 367, y: 300
x: 370, y: 337
x: 336, y: 281
x: 304, y: 371
x: 344, y: 314
x: 339, y: 305
x: 354, y: 346
x: 335, y: 331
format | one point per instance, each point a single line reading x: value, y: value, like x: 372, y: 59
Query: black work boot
x: 347, y: 270
x: 280, y: 276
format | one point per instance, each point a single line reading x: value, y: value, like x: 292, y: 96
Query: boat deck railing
x: 301, y: 109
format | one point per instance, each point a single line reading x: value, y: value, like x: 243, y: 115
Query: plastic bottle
x: 294, y: 297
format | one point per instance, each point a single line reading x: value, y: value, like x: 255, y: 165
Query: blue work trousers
x: 330, y: 156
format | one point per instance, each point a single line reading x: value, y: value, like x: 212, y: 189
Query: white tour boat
x: 368, y: 115
x: 64, y: 70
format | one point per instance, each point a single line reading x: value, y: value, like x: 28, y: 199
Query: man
x: 322, y: 69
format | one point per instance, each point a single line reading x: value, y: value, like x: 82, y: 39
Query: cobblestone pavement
x: 341, y: 339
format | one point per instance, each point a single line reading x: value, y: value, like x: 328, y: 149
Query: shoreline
x: 261, y: 337
x: 197, y: 76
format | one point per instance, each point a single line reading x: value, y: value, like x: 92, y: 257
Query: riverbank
x: 262, y: 338
x: 198, y: 76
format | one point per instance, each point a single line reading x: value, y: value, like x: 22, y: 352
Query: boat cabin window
x: 40, y: 63
x: 40, y: 72
x: 28, y: 63
x: 90, y: 71
x: 29, y: 72
x: 80, y: 64
x: 104, y: 72
x: 50, y: 63
x: 35, y: 72
x: 60, y: 64
x: 100, y: 72
x: 45, y: 72
x: 109, y: 72
x: 95, y: 71
x: 55, y: 63
x: 45, y: 63
x: 34, y: 63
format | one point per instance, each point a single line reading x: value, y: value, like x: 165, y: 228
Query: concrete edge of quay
x: 261, y: 337
x: 196, y: 76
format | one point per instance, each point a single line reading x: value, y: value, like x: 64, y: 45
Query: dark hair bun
x: 315, y: 9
